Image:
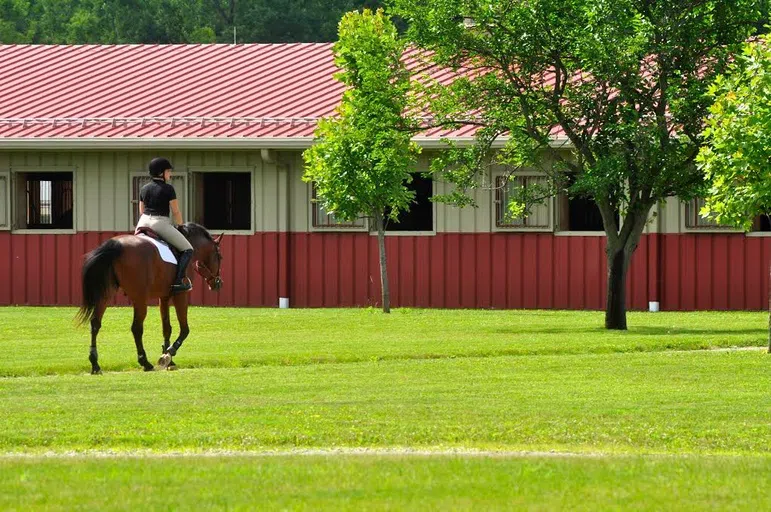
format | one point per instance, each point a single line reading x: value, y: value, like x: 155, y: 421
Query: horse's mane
x: 193, y: 230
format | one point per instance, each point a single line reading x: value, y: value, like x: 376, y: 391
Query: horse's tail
x: 99, y: 277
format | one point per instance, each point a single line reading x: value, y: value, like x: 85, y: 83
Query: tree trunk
x: 384, y: 286
x: 619, y: 255
x: 615, y: 308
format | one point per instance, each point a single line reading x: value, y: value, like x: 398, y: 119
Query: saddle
x: 150, y: 233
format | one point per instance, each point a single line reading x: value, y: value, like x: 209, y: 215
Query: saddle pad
x: 163, y: 249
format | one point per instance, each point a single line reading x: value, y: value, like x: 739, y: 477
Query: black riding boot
x: 180, y: 283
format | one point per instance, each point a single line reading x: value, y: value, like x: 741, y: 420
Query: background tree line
x: 172, y: 21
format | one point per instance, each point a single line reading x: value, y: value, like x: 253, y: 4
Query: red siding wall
x: 501, y: 270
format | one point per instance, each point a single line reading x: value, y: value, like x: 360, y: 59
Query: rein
x: 214, y: 281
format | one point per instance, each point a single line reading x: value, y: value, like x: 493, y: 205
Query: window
x: 421, y: 214
x: 579, y: 214
x: 138, y: 181
x: 761, y: 224
x: 539, y: 217
x: 5, y: 200
x: 44, y: 200
x: 223, y: 200
x: 323, y: 219
x: 693, y: 220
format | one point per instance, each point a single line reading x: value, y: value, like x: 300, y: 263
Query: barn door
x: 5, y: 200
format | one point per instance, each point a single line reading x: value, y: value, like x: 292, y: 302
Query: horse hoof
x: 97, y: 371
x: 173, y: 367
x: 149, y: 368
x: 164, y: 362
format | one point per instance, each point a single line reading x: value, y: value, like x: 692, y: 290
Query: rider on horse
x: 157, y: 200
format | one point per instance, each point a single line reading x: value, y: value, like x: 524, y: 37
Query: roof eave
x: 287, y: 143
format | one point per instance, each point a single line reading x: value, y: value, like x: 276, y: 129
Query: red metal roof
x: 98, y: 92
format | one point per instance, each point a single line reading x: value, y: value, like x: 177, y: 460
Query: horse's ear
x: 218, y: 239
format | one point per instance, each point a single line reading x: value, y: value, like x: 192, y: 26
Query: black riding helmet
x: 158, y: 165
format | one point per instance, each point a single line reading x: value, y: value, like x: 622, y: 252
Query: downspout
x: 655, y: 269
x: 284, y: 211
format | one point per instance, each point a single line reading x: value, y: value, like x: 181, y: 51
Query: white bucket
x: 283, y: 302
x: 653, y: 306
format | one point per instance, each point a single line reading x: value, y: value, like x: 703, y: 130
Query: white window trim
x: 184, y: 209
x: 24, y: 169
x: 707, y: 230
x: 252, y: 180
x: 5, y: 201
x: 331, y: 229
x: 519, y: 229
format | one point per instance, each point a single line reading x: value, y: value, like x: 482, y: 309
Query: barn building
x: 78, y: 125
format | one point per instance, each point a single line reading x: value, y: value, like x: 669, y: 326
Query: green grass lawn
x: 386, y: 483
x: 656, y: 423
x: 46, y: 341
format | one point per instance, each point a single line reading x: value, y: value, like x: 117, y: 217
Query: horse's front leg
x: 137, y: 329
x: 166, y: 323
x: 180, y: 307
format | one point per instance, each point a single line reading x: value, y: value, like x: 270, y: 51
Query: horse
x: 132, y: 263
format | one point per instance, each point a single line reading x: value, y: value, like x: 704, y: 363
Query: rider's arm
x: 141, y: 207
x: 175, y: 213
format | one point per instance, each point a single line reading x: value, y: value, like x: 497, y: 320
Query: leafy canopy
x: 363, y: 156
x: 737, y: 157
x: 622, y: 81
x: 171, y: 21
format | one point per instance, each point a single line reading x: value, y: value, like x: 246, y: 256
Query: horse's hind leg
x: 96, y: 324
x: 137, y: 329
x: 180, y: 307
x: 166, y: 323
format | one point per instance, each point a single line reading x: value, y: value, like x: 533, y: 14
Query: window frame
x: 5, y: 200
x: 192, y: 172
x: 564, y: 198
x: 684, y: 228
x: 15, y: 173
x: 434, y: 219
x: 336, y: 228
x: 496, y: 206
x: 759, y: 234
x: 182, y: 200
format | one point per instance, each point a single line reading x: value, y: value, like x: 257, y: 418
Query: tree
x: 171, y: 21
x: 736, y: 159
x: 15, y: 26
x: 363, y: 156
x: 623, y: 80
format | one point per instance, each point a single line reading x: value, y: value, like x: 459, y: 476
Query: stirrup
x: 184, y: 286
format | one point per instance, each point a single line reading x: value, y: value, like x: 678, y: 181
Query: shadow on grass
x: 633, y: 331
x: 522, y: 351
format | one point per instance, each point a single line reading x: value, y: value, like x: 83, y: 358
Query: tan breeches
x: 164, y: 228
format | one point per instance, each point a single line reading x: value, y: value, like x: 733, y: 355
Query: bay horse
x: 133, y: 264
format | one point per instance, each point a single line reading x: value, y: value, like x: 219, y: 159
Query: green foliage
x: 15, y: 24
x: 363, y: 156
x: 625, y: 82
x: 737, y: 157
x: 171, y: 21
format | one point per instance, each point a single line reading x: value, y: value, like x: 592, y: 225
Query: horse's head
x: 207, y: 253
x: 209, y: 263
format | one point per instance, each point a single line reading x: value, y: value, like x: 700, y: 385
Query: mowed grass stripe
x: 44, y: 341
x: 386, y: 483
x: 666, y: 402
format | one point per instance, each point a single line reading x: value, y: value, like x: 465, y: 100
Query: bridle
x: 213, y: 281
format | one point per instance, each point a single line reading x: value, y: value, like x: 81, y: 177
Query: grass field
x: 351, y: 409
